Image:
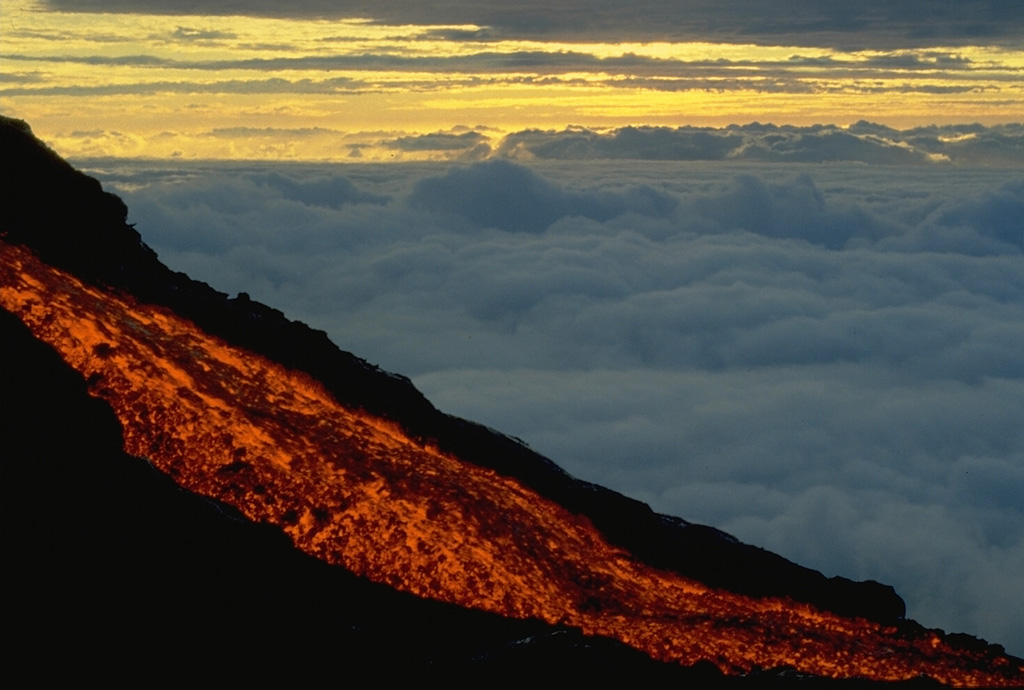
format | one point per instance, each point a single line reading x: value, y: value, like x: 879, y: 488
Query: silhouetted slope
x: 110, y: 569
x: 82, y: 229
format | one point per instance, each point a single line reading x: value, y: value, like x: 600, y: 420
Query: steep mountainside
x: 273, y: 424
x: 83, y: 231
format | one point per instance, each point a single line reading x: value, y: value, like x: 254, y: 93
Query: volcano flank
x: 194, y: 482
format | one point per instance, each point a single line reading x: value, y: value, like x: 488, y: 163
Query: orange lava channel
x: 353, y: 490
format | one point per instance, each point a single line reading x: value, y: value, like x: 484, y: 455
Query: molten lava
x: 353, y: 490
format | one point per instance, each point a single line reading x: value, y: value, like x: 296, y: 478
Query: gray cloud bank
x: 826, y: 361
x: 867, y: 24
x: 863, y: 142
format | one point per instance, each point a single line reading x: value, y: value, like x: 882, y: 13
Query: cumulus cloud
x: 439, y: 141
x: 648, y: 143
x: 502, y: 195
x: 824, y: 362
x: 329, y: 191
x: 468, y: 145
x: 862, y: 142
x: 987, y: 224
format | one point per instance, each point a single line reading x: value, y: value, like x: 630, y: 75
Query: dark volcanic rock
x: 112, y: 571
x: 78, y: 227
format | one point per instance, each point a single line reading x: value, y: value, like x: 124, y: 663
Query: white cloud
x: 826, y: 364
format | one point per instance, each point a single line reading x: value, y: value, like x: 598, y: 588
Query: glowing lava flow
x: 353, y: 490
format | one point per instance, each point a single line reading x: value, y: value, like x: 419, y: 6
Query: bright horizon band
x: 190, y: 86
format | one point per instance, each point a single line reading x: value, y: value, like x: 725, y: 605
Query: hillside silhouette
x: 117, y: 546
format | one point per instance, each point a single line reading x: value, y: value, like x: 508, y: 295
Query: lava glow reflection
x: 353, y: 490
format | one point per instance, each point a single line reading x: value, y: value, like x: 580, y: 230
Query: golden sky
x: 147, y: 81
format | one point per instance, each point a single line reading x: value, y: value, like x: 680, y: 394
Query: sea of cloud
x: 824, y: 360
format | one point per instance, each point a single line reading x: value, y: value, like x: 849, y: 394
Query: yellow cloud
x: 142, y: 75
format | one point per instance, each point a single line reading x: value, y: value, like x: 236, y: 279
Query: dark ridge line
x: 110, y: 569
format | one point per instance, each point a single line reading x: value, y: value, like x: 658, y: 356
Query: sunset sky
x: 758, y: 263
x: 322, y: 80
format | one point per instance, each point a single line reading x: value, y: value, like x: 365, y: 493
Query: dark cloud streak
x: 548, y: 62
x: 271, y: 85
x: 903, y: 73
x: 865, y: 24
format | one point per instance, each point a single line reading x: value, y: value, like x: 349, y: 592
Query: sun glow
x: 159, y: 85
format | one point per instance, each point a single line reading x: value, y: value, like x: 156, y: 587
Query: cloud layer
x: 963, y: 146
x: 824, y: 361
x: 862, y: 142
